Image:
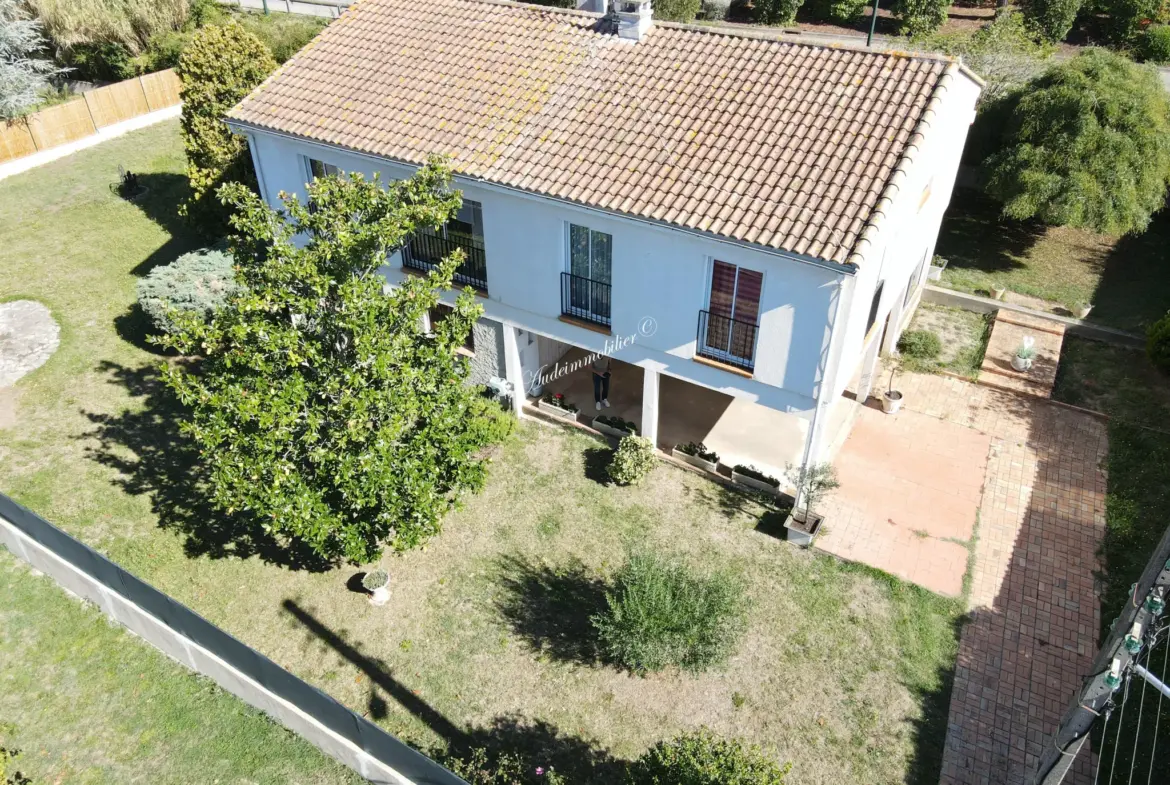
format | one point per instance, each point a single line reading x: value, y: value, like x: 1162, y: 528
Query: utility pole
x: 1117, y: 656
x: 872, y: 24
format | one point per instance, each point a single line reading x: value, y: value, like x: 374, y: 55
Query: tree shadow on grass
x: 536, y: 742
x: 167, y: 190
x: 974, y: 235
x: 550, y: 608
x: 1134, y: 289
x: 597, y: 464
x: 134, y: 326
x: 930, y: 729
x: 145, y: 446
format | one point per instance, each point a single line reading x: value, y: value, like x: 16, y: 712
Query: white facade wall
x: 661, y: 276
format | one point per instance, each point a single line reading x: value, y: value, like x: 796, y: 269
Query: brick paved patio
x: 1041, y: 507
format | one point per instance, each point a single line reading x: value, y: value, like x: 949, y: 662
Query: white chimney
x: 633, y: 18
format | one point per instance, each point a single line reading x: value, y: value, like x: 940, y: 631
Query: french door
x: 732, y: 316
x: 590, y: 271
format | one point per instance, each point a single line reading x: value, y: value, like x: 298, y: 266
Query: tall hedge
x: 776, y: 12
x: 1051, y: 18
x: 220, y: 66
x: 920, y: 17
x: 1086, y: 144
x: 838, y: 10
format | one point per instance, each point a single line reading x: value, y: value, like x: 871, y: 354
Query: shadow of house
x: 152, y: 456
x: 550, y: 608
x: 537, y: 743
x: 167, y: 190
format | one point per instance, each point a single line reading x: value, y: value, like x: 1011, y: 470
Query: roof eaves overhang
x: 841, y: 268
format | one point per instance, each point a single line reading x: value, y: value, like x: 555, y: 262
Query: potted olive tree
x: 891, y: 398
x: 804, y: 524
x: 377, y: 582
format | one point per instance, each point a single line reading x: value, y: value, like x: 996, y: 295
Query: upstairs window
x: 319, y: 169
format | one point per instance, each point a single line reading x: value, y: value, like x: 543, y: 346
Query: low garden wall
x: 82, y: 117
x: 198, y: 644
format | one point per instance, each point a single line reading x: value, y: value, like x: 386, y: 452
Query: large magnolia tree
x: 321, y: 405
x: 1086, y: 144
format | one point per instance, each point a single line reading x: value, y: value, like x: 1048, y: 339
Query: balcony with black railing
x: 426, y: 249
x: 585, y: 299
x: 727, y: 341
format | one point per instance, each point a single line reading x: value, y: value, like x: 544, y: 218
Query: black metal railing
x: 426, y: 249
x: 584, y: 298
x: 727, y: 340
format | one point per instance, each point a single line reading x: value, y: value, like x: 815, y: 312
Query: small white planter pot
x: 695, y: 461
x: 800, y: 533
x: 935, y: 273
x: 609, y: 430
x: 380, y: 596
x: 753, y: 483
x: 1022, y: 364
x: 998, y: 293
x: 1083, y: 311
x: 556, y: 411
x: 891, y: 401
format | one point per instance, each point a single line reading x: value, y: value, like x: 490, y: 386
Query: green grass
x: 1124, y: 278
x: 87, y: 702
x: 964, y: 337
x: 842, y: 670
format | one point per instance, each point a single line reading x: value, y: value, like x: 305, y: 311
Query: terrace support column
x: 650, y: 405
x: 513, y: 370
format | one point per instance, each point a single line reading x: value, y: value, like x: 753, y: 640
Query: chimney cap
x: 634, y: 18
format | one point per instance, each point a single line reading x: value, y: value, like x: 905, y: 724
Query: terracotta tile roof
x: 780, y: 144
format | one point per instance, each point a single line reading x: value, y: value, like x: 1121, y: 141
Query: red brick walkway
x: 1034, y: 610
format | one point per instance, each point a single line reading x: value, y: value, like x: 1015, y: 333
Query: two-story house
x: 743, y: 222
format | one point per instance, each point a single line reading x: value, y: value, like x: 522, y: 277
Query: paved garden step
x: 1006, y: 337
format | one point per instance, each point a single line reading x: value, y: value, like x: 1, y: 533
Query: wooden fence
x: 83, y: 117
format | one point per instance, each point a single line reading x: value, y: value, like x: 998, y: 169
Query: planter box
x: 935, y: 273
x: 556, y: 411
x: 753, y: 483
x: 800, y: 533
x: 697, y: 462
x: 609, y: 430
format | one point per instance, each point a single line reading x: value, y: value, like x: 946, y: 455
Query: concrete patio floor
x: 739, y: 430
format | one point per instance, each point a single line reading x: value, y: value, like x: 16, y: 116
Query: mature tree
x: 321, y: 406
x: 1005, y: 52
x: 1086, y: 144
x: 219, y: 67
x: 23, y: 75
x: 676, y: 10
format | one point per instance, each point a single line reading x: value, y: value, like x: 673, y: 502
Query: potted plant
x: 997, y: 292
x: 751, y: 477
x: 804, y: 524
x: 891, y: 398
x: 377, y: 582
x: 555, y: 404
x: 937, y: 265
x: 1081, y: 310
x: 1022, y: 361
x: 614, y: 426
x: 697, y: 455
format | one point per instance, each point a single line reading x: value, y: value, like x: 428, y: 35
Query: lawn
x: 843, y: 671
x: 1124, y: 278
x: 963, y: 335
x: 87, y: 702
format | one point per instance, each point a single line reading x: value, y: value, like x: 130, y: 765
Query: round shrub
x: 661, y: 614
x: 1154, y: 46
x: 920, y: 344
x: 1158, y: 343
x: 776, y: 12
x: 633, y: 460
x: 837, y: 10
x: 703, y: 758
x: 375, y: 579
x: 196, y: 282
x: 676, y: 10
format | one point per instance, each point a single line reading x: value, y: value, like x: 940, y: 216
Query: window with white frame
x: 585, y: 290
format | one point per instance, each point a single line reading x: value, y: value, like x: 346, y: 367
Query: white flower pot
x: 609, y: 430
x: 800, y: 533
x: 694, y: 460
x: 998, y: 293
x: 1022, y: 364
x: 891, y: 401
x: 753, y: 483
x: 381, y: 596
x: 556, y: 411
x: 1083, y: 312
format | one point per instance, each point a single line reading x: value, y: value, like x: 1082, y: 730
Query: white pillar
x: 513, y: 370
x: 650, y: 405
x: 868, y: 367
